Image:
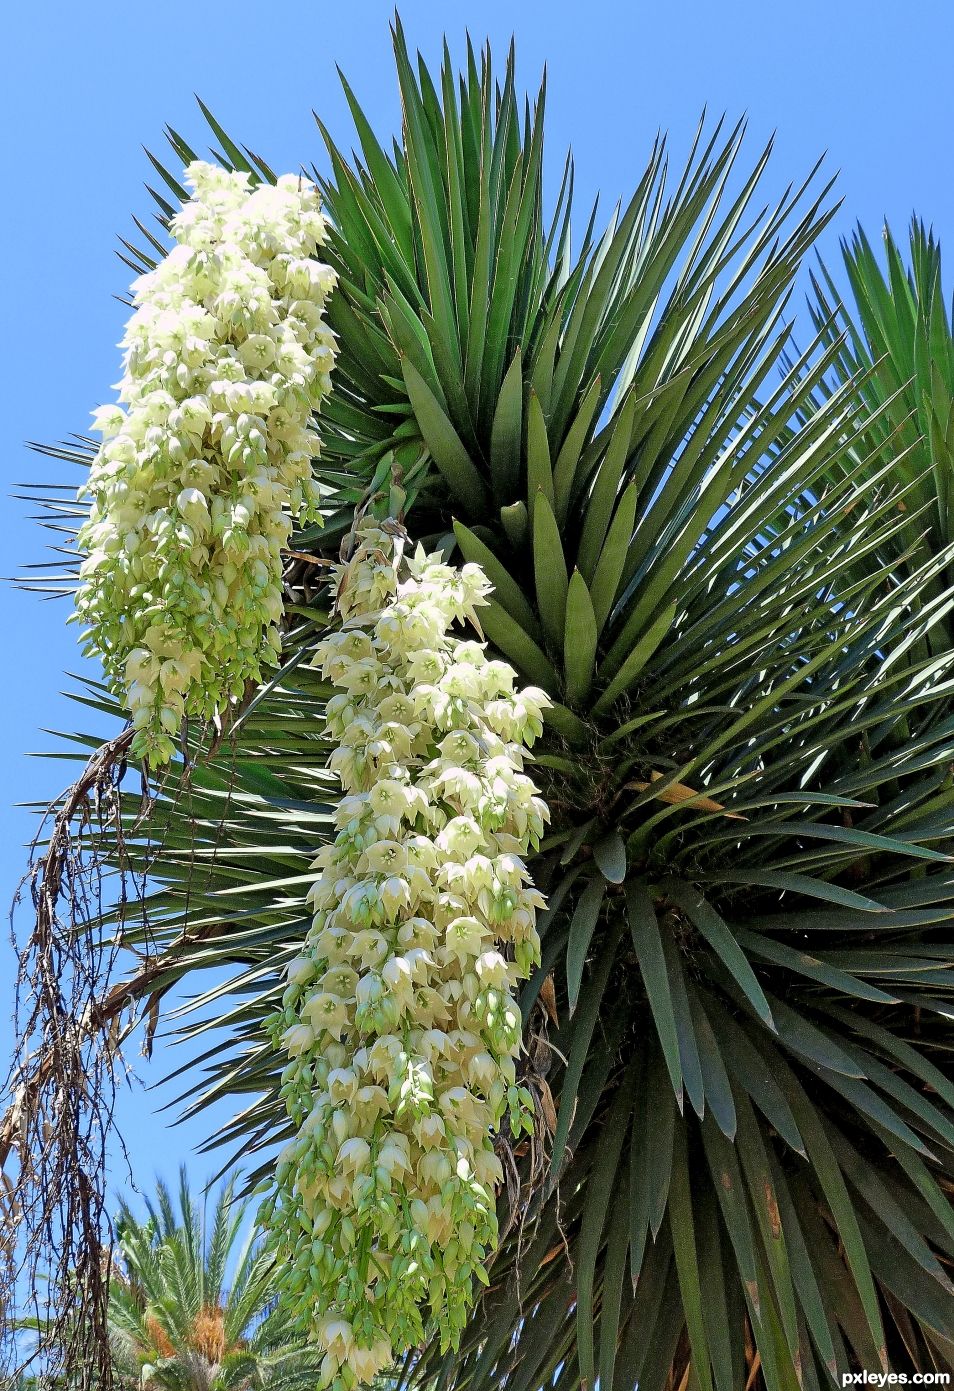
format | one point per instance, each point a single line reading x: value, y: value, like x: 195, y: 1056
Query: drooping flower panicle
x: 206, y: 458
x: 399, y: 1018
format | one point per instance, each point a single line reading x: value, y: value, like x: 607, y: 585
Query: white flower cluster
x: 399, y: 1017
x: 206, y: 460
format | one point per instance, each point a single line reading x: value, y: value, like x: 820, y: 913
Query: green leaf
x: 810, y: 1042
x: 636, y: 660
x: 444, y: 443
x: 727, y: 1182
x: 598, y: 1197
x: 584, y: 1023
x: 569, y: 726
x: 723, y: 1326
x: 539, y: 472
x: 506, y: 590
x: 644, y: 927
x: 237, y: 157
x: 568, y: 459
x: 506, y: 435
x: 722, y: 942
x: 750, y: 1069
x: 609, y: 852
x: 388, y: 186
x: 609, y: 568
x: 655, y: 1142
x: 582, y: 927
x: 687, y: 1262
x: 715, y: 1078
x: 800, y: 884
x: 762, y: 1185
x: 847, y: 835
x: 579, y: 643
x: 832, y: 1183
x: 549, y: 569
x: 602, y: 499
x: 688, y: 1050
x: 614, y: 1279
x: 512, y: 640
x: 515, y: 520
x: 766, y: 949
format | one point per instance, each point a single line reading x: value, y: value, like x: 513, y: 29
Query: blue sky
x: 87, y: 86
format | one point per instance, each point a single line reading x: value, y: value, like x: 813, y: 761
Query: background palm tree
x: 739, y: 1037
x: 191, y: 1299
x: 191, y: 1302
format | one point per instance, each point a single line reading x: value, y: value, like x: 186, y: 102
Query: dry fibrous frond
x: 62, y: 1083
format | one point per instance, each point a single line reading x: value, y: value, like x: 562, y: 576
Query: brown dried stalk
x: 71, y: 1024
x: 62, y: 1083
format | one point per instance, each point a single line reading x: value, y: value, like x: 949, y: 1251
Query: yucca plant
x: 738, y: 1038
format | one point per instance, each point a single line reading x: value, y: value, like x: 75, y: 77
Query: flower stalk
x: 399, y: 1020
x: 206, y: 458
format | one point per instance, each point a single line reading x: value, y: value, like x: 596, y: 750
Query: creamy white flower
x: 300, y: 970
x: 296, y: 1039
x: 206, y: 464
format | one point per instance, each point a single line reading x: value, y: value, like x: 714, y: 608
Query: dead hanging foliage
x: 71, y: 1020
x: 61, y: 1087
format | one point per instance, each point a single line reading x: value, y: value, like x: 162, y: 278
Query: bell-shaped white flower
x: 206, y: 464
x: 424, y: 924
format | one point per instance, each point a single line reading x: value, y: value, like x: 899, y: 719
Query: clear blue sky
x: 87, y: 86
